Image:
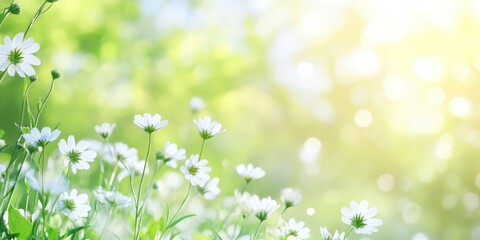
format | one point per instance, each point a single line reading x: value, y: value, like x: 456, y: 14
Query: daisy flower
x: 40, y: 138
x: 197, y: 104
x: 105, y: 130
x: 207, y: 128
x: 16, y: 55
x: 290, y: 197
x: 211, y: 190
x: 133, y: 167
x: 112, y: 198
x: 360, y: 217
x: 120, y: 152
x: 327, y: 236
x: 195, y: 171
x: 249, y: 172
x: 294, y: 229
x: 263, y: 208
x: 77, y: 155
x: 171, y: 154
x: 148, y: 123
x: 74, y: 206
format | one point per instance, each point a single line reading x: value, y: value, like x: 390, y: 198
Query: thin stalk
x: 201, y: 150
x: 44, y: 103
x: 35, y: 17
x: 256, y: 231
x: 138, y: 207
x: 169, y: 223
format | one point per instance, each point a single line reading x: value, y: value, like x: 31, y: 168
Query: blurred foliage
x: 276, y: 73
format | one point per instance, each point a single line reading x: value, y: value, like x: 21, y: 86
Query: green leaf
x: 19, y: 224
x: 176, y: 221
x: 74, y: 231
x: 2, y: 133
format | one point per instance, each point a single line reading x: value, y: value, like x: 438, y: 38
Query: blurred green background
x: 343, y: 99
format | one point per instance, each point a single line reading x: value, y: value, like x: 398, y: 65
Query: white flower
x: 195, y: 171
x: 134, y: 167
x: 211, y: 190
x: 233, y: 232
x: 290, y: 197
x: 52, y: 183
x: 294, y: 229
x: 171, y: 154
x: 360, y: 217
x: 243, y: 200
x: 35, y: 137
x: 148, y: 123
x: 112, y: 198
x: 327, y: 236
x: 120, y: 152
x: 105, y: 129
x: 263, y: 208
x: 207, y: 128
x: 2, y: 143
x: 17, y: 56
x: 77, y: 155
x: 73, y: 205
x: 248, y: 172
x: 196, y: 104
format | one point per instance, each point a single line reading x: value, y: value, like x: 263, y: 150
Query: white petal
x: 32, y: 49
x: 27, y: 69
x: 17, y: 40
x: 11, y: 70
x: 30, y: 59
x: 19, y: 70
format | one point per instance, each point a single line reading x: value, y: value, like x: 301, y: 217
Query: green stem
x: 3, y: 74
x: 169, y: 225
x: 256, y: 231
x: 241, y: 228
x: 348, y: 231
x: 44, y: 103
x: 201, y: 150
x: 6, y: 11
x: 37, y: 14
x: 138, y: 207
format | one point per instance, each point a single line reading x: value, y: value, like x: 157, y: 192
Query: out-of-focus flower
x: 233, y: 232
x: 17, y: 56
x: 133, y: 166
x: 112, y: 198
x: 290, y: 197
x: 197, y: 104
x: 294, y: 229
x: 41, y: 138
x: 195, y: 171
x: 360, y: 217
x: 119, y: 152
x: 52, y: 183
x: 208, y: 128
x: 263, y: 208
x: 149, y: 123
x: 105, y: 130
x: 211, y: 190
x: 74, y: 206
x: 77, y: 155
x: 249, y: 172
x: 327, y: 236
x: 171, y: 154
x: 2, y: 143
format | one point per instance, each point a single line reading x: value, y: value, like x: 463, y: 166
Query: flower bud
x: 33, y: 78
x: 15, y: 8
x: 2, y: 143
x: 55, y: 74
